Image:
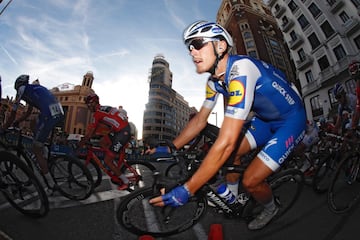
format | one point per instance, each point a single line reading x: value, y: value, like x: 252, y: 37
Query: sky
x: 58, y: 41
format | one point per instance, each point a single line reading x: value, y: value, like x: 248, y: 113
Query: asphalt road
x: 94, y: 218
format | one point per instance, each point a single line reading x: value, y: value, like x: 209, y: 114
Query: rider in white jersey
x: 248, y: 85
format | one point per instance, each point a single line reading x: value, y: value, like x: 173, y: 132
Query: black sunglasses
x: 198, y: 43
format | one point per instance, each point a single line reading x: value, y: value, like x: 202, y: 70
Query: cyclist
x: 247, y: 84
x: 304, y: 147
x: 354, y: 69
x: 347, y: 104
x: 51, y: 113
x: 112, y: 126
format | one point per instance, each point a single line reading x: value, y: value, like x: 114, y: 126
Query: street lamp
x: 215, y: 117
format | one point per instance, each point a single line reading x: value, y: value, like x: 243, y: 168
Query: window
x: 344, y: 17
x: 357, y: 41
x: 339, y: 52
x: 303, y: 22
x: 316, y: 107
x: 314, y: 41
x: 293, y: 35
x: 356, y: 3
x: 315, y: 11
x: 323, y: 63
x: 285, y: 20
x: 309, y: 76
x: 302, y: 55
x: 247, y: 35
x: 250, y: 44
x: 253, y: 54
x: 327, y: 29
x: 292, y: 5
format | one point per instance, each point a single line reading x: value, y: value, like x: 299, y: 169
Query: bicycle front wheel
x: 21, y: 188
x: 344, y: 191
x: 73, y: 179
x: 136, y: 215
x: 140, y: 174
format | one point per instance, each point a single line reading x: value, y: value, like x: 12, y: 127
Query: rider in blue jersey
x: 51, y: 113
x: 248, y: 85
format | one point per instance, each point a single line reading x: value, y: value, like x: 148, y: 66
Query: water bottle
x: 225, y: 193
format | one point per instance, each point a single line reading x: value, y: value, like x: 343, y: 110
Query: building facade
x: 166, y: 112
x: 255, y: 33
x: 72, y: 98
x: 323, y: 38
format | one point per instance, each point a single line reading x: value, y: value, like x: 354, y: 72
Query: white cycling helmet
x: 204, y: 29
x: 210, y: 30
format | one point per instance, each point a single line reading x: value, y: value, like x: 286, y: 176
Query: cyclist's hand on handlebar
x: 175, y: 198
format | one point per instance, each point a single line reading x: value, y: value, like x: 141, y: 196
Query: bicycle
x: 331, y: 155
x: 21, y: 188
x: 136, y: 215
x: 344, y: 191
x: 72, y: 179
x: 140, y: 173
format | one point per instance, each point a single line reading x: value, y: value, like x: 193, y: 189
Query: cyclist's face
x: 204, y: 58
x: 92, y: 106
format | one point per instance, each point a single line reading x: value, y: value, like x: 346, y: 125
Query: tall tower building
x: 255, y: 33
x: 323, y: 37
x: 166, y: 112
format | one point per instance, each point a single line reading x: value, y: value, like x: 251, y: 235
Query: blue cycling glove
x: 177, y: 196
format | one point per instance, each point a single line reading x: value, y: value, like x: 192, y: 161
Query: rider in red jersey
x: 113, y: 127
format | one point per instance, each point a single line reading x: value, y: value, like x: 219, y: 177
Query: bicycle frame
x: 121, y: 162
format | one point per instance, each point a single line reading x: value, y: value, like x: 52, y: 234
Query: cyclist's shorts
x: 44, y: 127
x: 120, y: 139
x: 278, y: 138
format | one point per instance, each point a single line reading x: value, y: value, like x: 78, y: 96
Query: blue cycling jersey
x: 253, y: 85
x: 279, y: 120
x: 51, y: 112
x: 40, y: 98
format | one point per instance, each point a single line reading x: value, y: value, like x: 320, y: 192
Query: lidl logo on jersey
x: 236, y: 92
x: 210, y: 93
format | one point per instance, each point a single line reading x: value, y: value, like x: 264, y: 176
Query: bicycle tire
x: 175, y: 171
x: 73, y: 179
x: 344, y: 191
x: 95, y: 171
x: 323, y: 174
x: 21, y: 188
x: 286, y: 187
x: 143, y: 178
x: 136, y: 215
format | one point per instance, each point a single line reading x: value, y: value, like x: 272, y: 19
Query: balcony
x: 335, y: 5
x: 309, y: 88
x: 278, y: 12
x: 302, y: 64
x: 351, y: 26
x: 286, y: 26
x: 294, y: 43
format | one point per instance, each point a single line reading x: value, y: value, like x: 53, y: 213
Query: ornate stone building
x: 72, y: 98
